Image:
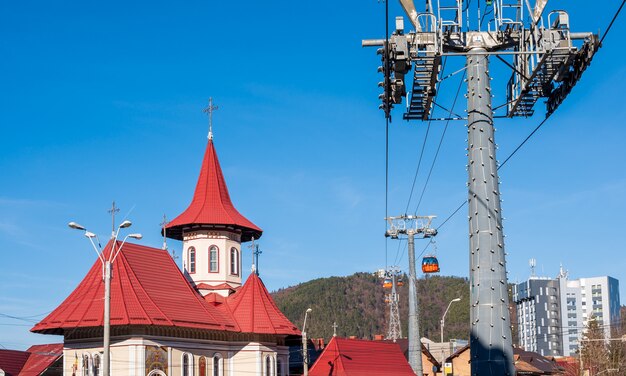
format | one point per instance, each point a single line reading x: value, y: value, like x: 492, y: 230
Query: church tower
x: 212, y: 231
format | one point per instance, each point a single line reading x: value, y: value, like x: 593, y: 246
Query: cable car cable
x: 432, y: 166
x: 538, y: 126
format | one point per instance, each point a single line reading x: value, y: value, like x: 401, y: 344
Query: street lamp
x: 443, y: 319
x: 443, y: 323
x: 305, y: 352
x: 106, y: 275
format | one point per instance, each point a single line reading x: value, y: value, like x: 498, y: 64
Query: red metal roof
x: 211, y: 204
x: 348, y: 357
x: 41, y: 358
x: 147, y: 289
x: 255, y: 311
x: 12, y: 361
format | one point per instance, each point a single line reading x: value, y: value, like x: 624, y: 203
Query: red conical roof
x: 255, y: 311
x: 147, y: 288
x: 211, y: 205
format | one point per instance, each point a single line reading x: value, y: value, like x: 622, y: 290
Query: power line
x: 432, y: 166
x: 612, y: 20
x: 419, y: 162
x: 540, y: 124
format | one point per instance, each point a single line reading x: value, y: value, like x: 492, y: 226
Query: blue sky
x: 103, y: 101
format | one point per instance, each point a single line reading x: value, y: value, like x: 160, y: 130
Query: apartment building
x: 552, y: 313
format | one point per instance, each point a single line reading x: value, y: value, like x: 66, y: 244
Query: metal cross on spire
x: 163, y: 224
x: 114, y: 209
x: 335, y: 329
x: 209, y: 110
x: 255, y: 256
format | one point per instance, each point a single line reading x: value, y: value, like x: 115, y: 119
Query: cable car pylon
x: 393, y: 280
x: 412, y: 226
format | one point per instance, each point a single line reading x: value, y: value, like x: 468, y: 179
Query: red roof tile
x: 147, y: 289
x: 211, y: 204
x: 255, y: 311
x: 12, y: 361
x: 348, y: 357
x: 41, y: 358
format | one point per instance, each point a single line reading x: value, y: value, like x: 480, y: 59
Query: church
x: 200, y: 321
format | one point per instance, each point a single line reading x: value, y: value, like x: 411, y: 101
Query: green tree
x: 594, y: 349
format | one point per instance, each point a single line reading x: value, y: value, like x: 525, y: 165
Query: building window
x: 187, y: 363
x: 270, y: 370
x: 202, y: 366
x: 192, y: 260
x: 218, y: 365
x: 85, y: 364
x: 234, y: 261
x: 96, y: 365
x: 214, y: 259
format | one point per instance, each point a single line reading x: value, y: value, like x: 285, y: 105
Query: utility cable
x: 432, y: 166
x: 500, y: 166
x: 540, y: 124
x: 386, y: 128
x: 612, y: 20
x: 419, y: 162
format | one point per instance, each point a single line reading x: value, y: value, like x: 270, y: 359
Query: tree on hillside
x: 357, y: 304
x: 594, y: 351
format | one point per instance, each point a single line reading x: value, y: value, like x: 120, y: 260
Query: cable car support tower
x: 546, y: 59
x: 412, y: 226
x: 394, y: 331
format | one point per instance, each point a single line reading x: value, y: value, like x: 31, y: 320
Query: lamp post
x: 443, y: 323
x: 106, y: 275
x: 305, y: 351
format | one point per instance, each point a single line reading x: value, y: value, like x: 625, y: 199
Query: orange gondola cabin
x: 430, y: 264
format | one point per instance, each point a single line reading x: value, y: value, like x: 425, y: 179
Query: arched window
x: 85, y: 365
x: 96, y: 365
x: 187, y: 364
x: 214, y: 259
x: 234, y: 261
x: 192, y: 260
x: 218, y: 365
x: 269, y: 366
x: 202, y: 366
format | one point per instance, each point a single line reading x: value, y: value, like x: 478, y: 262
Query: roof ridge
x: 221, y: 179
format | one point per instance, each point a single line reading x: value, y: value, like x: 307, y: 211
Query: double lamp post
x: 107, y: 261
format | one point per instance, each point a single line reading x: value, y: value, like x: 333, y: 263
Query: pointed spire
x: 211, y: 206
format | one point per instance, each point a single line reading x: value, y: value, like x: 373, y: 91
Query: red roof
x: 41, y: 358
x: 147, y: 289
x: 255, y: 311
x: 347, y: 357
x: 211, y: 204
x: 12, y: 361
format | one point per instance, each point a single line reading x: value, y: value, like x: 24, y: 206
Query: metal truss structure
x: 546, y: 60
x: 394, y: 331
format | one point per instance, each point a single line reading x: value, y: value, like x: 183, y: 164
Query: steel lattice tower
x: 546, y: 60
x: 394, y: 331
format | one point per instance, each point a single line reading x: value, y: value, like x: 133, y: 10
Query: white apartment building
x: 552, y: 313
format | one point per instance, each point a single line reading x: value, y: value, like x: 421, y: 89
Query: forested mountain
x: 357, y: 304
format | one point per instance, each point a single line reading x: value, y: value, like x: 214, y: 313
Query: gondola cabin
x: 430, y: 264
x: 387, y: 283
x: 400, y: 282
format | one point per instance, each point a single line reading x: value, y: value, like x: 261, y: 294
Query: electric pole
x: 546, y: 61
x: 410, y: 226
